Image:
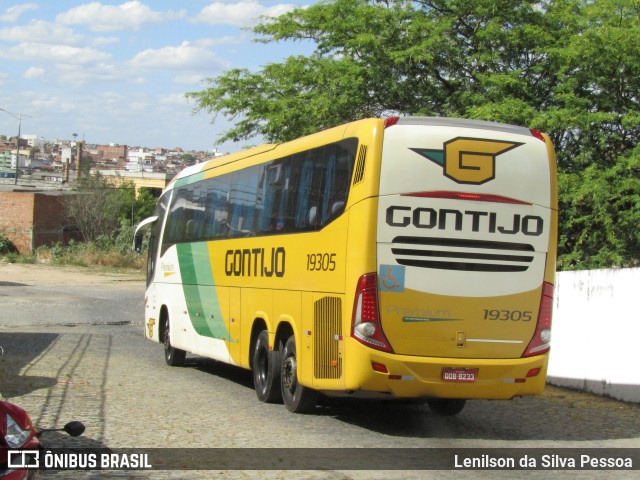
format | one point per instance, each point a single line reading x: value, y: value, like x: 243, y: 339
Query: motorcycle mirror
x: 74, y: 429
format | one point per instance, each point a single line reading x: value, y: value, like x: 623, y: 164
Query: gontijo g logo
x: 468, y: 160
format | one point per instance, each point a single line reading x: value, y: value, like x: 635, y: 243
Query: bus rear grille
x: 327, y: 332
x: 358, y: 175
x: 462, y: 254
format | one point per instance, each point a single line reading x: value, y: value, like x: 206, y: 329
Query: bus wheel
x: 266, y: 370
x: 446, y: 406
x: 173, y: 356
x: 297, y: 398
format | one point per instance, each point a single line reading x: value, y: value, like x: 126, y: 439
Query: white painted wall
x: 595, y: 342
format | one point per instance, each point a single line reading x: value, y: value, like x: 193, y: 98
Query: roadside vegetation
x: 105, y: 215
x: 105, y: 252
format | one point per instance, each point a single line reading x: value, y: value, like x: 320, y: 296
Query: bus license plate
x: 467, y: 375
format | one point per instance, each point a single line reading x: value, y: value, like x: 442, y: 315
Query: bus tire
x: 266, y: 370
x: 297, y: 398
x: 446, y: 406
x: 173, y: 356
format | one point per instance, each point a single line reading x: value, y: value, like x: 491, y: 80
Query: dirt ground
x: 45, y: 274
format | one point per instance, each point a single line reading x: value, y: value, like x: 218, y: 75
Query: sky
x: 117, y: 71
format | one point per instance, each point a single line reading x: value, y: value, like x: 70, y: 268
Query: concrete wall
x: 50, y: 222
x: 16, y: 218
x: 595, y: 344
x: 32, y: 219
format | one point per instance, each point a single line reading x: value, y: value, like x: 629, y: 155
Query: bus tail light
x: 540, y: 343
x: 537, y: 134
x: 390, y: 121
x: 365, y: 323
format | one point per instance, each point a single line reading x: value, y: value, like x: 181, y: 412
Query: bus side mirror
x: 137, y: 242
x: 138, y: 235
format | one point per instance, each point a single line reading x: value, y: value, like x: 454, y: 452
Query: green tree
x: 600, y: 215
x: 145, y: 204
x: 99, y: 206
x: 482, y: 59
x: 188, y: 159
x: 566, y: 67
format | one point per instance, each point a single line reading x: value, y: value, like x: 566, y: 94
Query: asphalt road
x: 74, y: 349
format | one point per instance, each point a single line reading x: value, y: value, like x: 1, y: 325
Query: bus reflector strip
x: 401, y: 377
x: 476, y: 197
x: 515, y: 380
x: 379, y: 367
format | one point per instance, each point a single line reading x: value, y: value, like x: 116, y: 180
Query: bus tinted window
x: 302, y: 192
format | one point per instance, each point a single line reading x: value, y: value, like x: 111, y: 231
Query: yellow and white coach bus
x: 412, y: 257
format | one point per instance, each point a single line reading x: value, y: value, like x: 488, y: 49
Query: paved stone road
x: 89, y: 361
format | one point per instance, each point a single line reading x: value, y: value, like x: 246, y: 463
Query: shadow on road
x: 582, y: 418
x: 558, y: 415
x: 20, y: 351
x: 12, y: 284
x: 228, y: 372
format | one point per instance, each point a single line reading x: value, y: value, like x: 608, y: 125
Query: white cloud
x: 34, y: 72
x: 105, y: 18
x: 173, y: 99
x: 79, y: 75
x: 102, y: 41
x: 12, y: 14
x: 226, y: 40
x: 42, y: 31
x: 40, y: 103
x: 240, y: 14
x: 187, y: 56
x: 189, y: 78
x: 54, y: 53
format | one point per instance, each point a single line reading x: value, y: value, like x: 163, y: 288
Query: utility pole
x: 19, y: 117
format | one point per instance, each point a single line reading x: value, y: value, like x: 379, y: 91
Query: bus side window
x: 243, y: 201
x: 328, y: 199
x: 275, y: 184
x: 216, y: 207
x: 304, y: 212
x: 339, y: 162
x: 185, y: 216
x: 264, y: 219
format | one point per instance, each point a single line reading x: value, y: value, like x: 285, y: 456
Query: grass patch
x: 113, y: 252
x: 91, y: 254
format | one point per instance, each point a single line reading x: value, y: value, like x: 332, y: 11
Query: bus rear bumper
x: 411, y: 377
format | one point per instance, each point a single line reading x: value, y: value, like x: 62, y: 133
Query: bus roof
x: 199, y: 167
x: 406, y: 120
x: 463, y: 122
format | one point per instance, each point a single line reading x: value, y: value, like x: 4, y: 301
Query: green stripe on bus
x: 189, y: 180
x: 203, y: 304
